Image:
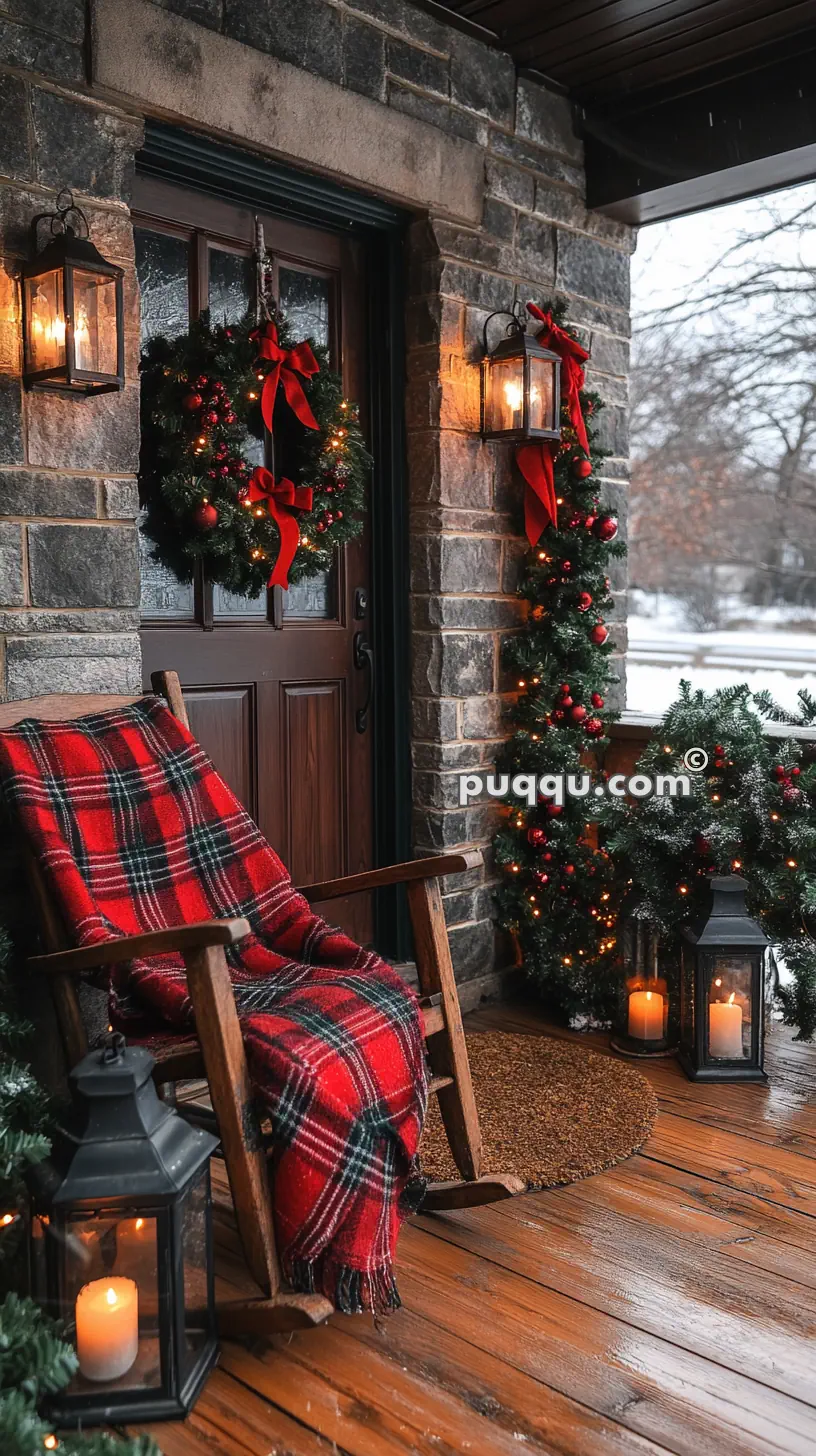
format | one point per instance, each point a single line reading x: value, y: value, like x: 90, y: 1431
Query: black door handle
x: 364, y: 657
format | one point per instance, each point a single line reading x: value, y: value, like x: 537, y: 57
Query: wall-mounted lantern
x: 722, y: 997
x: 73, y: 315
x: 521, y: 386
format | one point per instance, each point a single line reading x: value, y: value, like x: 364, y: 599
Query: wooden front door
x: 274, y: 686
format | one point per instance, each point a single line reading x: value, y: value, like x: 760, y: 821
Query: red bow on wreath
x: 282, y: 497
x: 288, y: 364
x: 537, y: 459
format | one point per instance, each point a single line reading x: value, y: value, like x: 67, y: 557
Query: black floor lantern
x: 121, y: 1245
x: 722, y: 990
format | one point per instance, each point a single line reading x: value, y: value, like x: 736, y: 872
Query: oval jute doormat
x: 550, y: 1111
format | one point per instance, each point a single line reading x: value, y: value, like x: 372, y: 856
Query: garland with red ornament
x: 556, y: 895
x: 211, y: 493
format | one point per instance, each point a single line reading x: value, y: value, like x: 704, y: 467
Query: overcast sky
x: 672, y: 257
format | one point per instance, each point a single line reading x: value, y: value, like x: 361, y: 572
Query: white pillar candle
x: 107, y: 1328
x: 646, y: 1015
x: 725, y: 1028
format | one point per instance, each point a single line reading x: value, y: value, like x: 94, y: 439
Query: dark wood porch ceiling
x: 610, y: 49
x: 683, y: 103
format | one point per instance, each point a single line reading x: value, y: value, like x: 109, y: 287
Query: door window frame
x: 240, y: 177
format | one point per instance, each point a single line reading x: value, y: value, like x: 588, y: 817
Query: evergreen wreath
x: 556, y: 891
x: 206, y: 397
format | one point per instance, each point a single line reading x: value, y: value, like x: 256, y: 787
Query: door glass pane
x: 230, y: 285
x: 162, y: 268
x: 305, y: 301
x: 316, y: 597
x: 162, y: 594
x: 227, y: 604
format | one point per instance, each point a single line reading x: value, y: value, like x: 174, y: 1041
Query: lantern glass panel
x: 111, y: 1298
x: 95, y: 335
x: 543, y: 405
x: 195, y: 1217
x: 45, y: 311
x: 504, y: 404
x: 730, y: 1008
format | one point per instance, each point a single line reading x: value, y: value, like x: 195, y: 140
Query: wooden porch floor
x: 668, y: 1305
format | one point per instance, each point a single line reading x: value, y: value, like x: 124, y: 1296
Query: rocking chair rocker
x: 216, y: 1054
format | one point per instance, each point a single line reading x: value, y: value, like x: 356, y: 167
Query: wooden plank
x: 230, y: 1418
x: 447, y: 1052
x: 679, y: 1206
x: 59, y: 707
x: 219, y: 1032
x: 651, y: 1386
x: 167, y: 684
x: 772, y: 1173
x: 754, y: 1323
x: 510, y: 1399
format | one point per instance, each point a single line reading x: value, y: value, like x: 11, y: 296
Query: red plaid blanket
x: 135, y: 831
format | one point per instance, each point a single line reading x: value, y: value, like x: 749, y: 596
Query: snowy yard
x: 774, y: 648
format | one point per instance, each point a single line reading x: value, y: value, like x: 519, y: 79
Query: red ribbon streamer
x: 288, y: 364
x: 282, y: 497
x: 536, y: 460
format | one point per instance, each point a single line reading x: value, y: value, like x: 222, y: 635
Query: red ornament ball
x: 564, y: 688
x: 605, y: 528
x: 581, y: 468
x: 579, y: 712
x: 191, y: 402
x: 779, y: 771
x: 599, y: 634
x: 719, y: 763
x: 597, y: 700
x: 541, y: 877
x: 566, y: 701
x: 536, y: 835
x: 594, y: 727
x: 589, y: 521
x: 205, y: 516
x: 321, y: 526
x: 584, y: 601
x: 553, y: 810
x: 792, y: 796
x: 569, y: 869
x: 795, y: 772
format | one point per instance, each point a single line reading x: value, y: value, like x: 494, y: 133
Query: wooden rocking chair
x: 217, y: 1052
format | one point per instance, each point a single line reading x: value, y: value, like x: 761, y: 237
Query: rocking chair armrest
x: 130, y: 947
x: 431, y: 868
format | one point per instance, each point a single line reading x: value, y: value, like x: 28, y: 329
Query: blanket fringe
x: 351, y: 1291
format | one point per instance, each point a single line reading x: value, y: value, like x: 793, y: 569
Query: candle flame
x: 731, y: 998
x: 648, y: 995
x: 111, y: 1296
x: 140, y: 1223
x: 513, y: 394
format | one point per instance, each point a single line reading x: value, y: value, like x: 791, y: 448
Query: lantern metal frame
x: 66, y: 254
x: 520, y: 345
x: 126, y: 1155
x: 727, y: 930
x: 639, y: 970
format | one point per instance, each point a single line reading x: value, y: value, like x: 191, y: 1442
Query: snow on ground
x: 771, y: 648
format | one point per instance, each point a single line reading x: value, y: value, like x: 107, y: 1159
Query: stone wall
x: 401, y: 104
x: 68, y: 559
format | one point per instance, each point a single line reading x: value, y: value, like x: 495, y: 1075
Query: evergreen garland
x: 35, y: 1360
x: 202, y: 436
x: 556, y: 884
x: 751, y: 812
